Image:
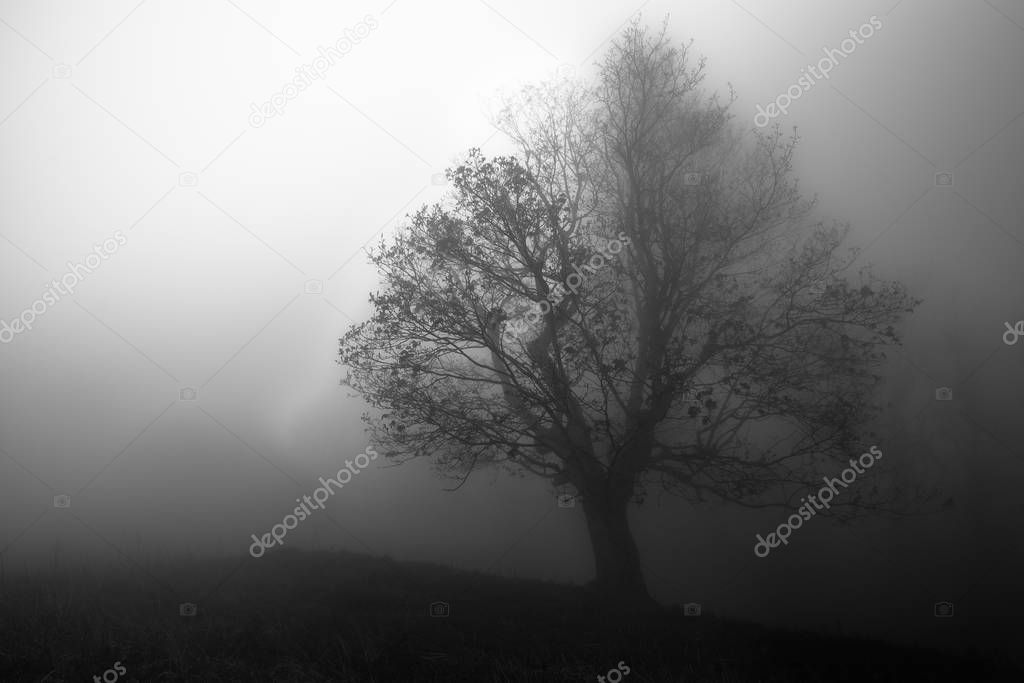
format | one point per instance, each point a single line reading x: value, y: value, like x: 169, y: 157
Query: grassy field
x: 295, y: 616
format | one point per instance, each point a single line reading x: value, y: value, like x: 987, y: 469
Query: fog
x: 137, y: 118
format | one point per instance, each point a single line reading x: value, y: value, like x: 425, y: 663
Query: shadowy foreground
x: 295, y: 616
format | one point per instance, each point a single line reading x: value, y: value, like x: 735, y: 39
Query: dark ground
x: 295, y: 616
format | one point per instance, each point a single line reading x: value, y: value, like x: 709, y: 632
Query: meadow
x: 336, y: 616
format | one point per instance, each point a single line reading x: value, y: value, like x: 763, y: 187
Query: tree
x: 720, y: 352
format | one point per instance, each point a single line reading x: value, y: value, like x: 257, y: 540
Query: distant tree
x: 720, y: 353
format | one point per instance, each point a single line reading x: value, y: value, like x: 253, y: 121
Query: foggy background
x: 106, y: 108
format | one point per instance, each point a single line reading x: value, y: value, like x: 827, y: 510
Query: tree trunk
x: 619, y: 577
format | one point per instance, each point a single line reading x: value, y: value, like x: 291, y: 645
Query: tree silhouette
x: 719, y: 353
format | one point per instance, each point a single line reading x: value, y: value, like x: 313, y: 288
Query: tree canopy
x: 724, y: 351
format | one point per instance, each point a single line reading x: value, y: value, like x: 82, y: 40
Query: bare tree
x: 720, y: 353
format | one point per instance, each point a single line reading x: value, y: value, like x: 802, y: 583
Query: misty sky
x: 107, y: 108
